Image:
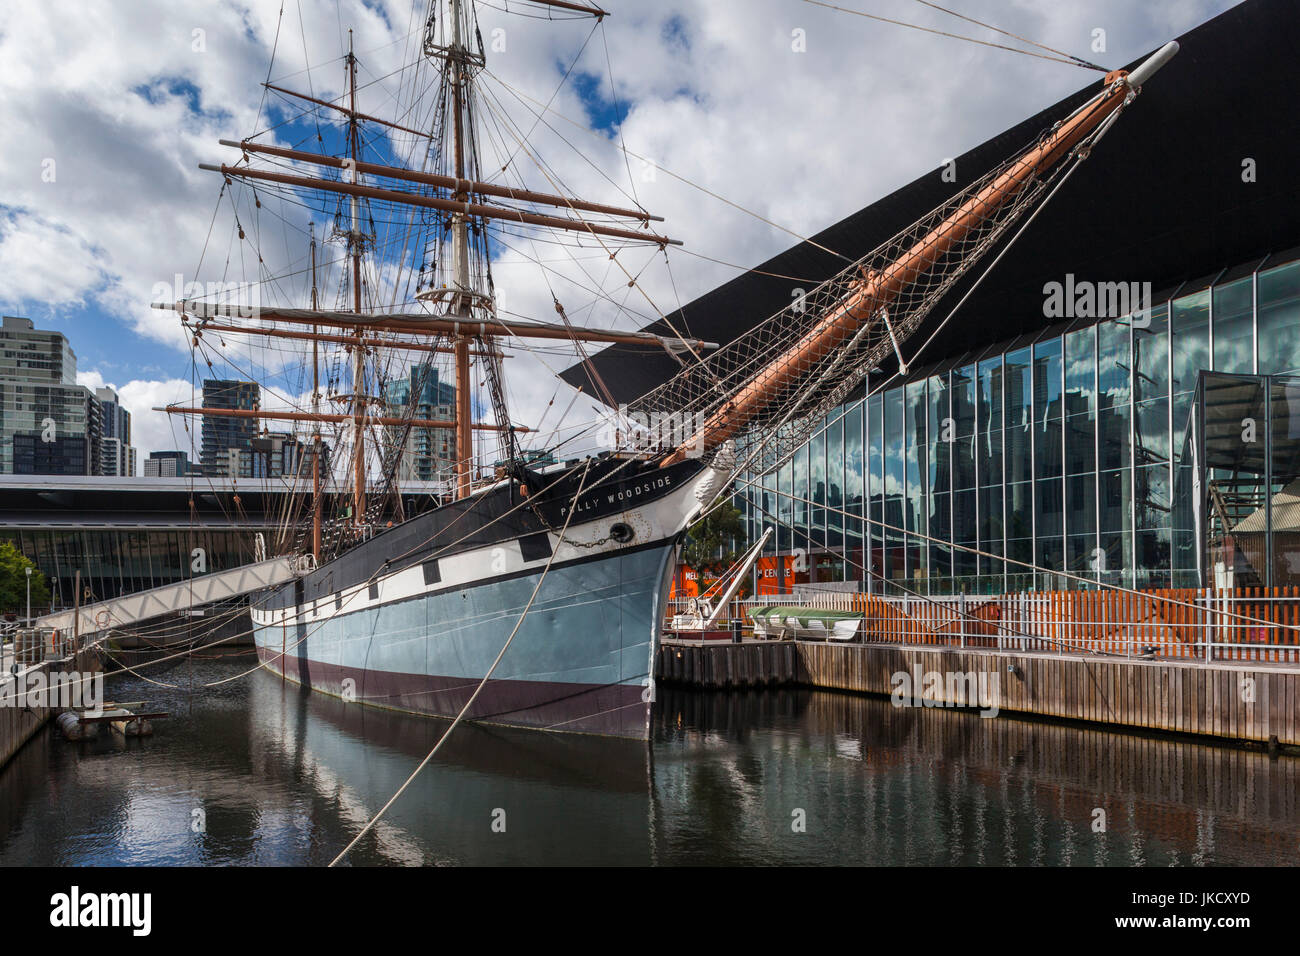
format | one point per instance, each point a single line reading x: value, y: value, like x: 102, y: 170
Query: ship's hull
x: 413, y: 620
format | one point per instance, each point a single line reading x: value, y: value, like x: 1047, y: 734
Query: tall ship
x: 531, y: 592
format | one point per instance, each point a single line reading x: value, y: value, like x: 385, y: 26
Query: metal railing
x: 28, y: 646
x: 1246, y: 624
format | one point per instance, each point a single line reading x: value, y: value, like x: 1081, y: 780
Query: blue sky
x: 125, y: 99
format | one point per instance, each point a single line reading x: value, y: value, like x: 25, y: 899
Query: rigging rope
x: 1066, y: 58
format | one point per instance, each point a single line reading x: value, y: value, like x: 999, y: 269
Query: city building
x: 422, y: 454
x: 49, y: 425
x: 1033, y: 443
x: 117, y: 455
x: 221, y: 433
x: 169, y: 464
x: 275, y: 455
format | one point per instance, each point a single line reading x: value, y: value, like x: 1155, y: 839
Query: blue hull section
x: 581, y: 659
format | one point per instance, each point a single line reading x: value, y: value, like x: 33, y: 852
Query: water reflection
x: 257, y: 772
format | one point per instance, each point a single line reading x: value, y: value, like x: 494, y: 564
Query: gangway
x: 181, y: 596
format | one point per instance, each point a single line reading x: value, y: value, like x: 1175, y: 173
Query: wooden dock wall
x: 1241, y: 702
x: 19, y: 724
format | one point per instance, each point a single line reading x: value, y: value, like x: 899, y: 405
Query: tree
x: 13, y: 581
x: 709, y: 540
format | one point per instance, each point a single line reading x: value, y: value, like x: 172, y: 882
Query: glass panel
x: 1116, y: 522
x: 799, y: 498
x: 1151, y: 354
x: 874, y: 436
x: 1114, y: 359
x: 894, y: 558
x: 963, y: 465
x: 941, y: 528
x: 990, y: 395
x: 963, y: 414
x: 963, y: 400
x: 817, y: 490
x: 916, y: 511
x: 1114, y: 439
x: 965, y: 531
x: 853, y: 475
x: 1020, y: 526
x: 1049, y: 502
x: 1153, y: 559
x: 1080, y: 449
x: 1048, y: 449
x: 917, y: 486
x: 1151, y: 431
x: 893, y: 462
x: 1152, y: 497
x: 835, y: 484
x: 1047, y: 379
x: 991, y: 530
x: 873, y: 430
x: 784, y: 514
x: 767, y: 511
x: 940, y: 432
x: 1081, y: 372
x: 1284, y: 465
x: 1019, y: 415
x: 1279, y: 319
x: 1234, y: 345
x: 1190, y: 318
x: 1081, y: 520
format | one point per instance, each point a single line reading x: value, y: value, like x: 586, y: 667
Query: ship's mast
x: 315, y: 408
x: 358, y: 351
x: 460, y: 261
x: 458, y: 310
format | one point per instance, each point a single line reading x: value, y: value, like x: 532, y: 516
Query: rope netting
x: 780, y: 379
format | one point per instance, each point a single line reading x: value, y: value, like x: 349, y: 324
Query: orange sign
x: 777, y: 575
x: 689, y: 583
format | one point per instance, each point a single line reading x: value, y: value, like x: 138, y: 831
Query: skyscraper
x: 426, y: 454
x: 116, y: 456
x: 48, y: 423
x: 223, y: 433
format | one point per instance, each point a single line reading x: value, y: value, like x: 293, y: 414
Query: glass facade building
x: 222, y: 433
x: 1053, y: 452
x: 49, y: 425
x: 421, y: 454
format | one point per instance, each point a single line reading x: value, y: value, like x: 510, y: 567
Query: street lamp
x: 29, y: 597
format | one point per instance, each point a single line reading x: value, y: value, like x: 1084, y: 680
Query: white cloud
x: 126, y: 104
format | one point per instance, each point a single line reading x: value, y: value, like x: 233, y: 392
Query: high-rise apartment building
x: 117, y: 456
x: 48, y: 423
x: 424, y: 454
x: 223, y: 433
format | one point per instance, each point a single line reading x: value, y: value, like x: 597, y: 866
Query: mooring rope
x: 483, y: 683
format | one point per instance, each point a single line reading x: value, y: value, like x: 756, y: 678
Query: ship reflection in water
x: 255, y: 771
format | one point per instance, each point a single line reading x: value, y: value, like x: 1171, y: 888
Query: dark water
x: 286, y: 778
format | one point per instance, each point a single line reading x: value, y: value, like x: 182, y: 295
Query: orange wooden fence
x: 1244, y: 624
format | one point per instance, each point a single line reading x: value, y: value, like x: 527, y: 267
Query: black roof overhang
x: 1161, y: 200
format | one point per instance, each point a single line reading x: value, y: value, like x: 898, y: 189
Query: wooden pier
x: 1255, y: 701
